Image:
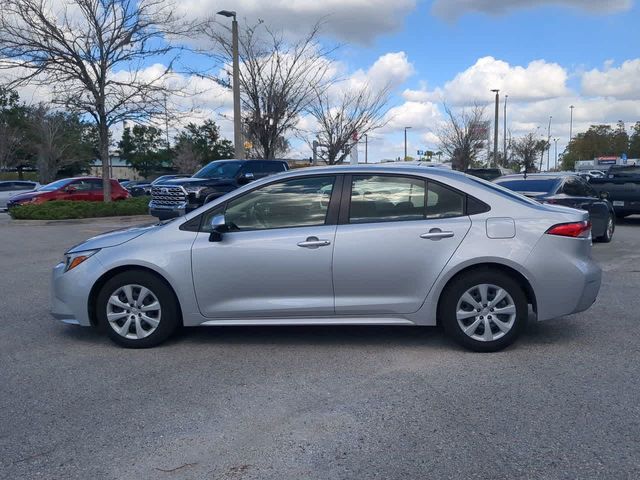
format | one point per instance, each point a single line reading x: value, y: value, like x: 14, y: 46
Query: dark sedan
x: 569, y: 190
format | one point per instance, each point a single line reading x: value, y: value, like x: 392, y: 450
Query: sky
x: 544, y: 54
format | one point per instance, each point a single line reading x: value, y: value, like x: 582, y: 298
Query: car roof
x: 539, y: 176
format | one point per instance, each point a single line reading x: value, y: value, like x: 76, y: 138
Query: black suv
x: 179, y: 196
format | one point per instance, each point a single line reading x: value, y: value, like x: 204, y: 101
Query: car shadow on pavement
x: 633, y: 220
x: 558, y: 331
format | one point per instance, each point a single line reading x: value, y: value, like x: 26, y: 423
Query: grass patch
x: 64, y: 209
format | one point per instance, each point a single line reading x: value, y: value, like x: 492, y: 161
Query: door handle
x: 436, y: 234
x: 314, y: 242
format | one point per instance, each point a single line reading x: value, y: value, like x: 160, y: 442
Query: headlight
x: 195, y: 190
x: 72, y: 260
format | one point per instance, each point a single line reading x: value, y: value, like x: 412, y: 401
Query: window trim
x: 331, y: 218
x: 348, y: 185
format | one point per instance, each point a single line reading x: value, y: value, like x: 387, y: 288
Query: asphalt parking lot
x: 321, y: 402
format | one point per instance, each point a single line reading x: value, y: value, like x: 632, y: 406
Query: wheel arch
x: 512, y: 272
x: 105, y: 277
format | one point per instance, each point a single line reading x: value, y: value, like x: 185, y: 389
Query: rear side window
x: 442, y: 202
x: 386, y: 199
x: 546, y: 185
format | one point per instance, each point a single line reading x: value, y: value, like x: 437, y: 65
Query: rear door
x: 395, y: 235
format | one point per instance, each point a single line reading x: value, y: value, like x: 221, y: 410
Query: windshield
x: 54, y: 185
x: 219, y: 170
x: 534, y: 185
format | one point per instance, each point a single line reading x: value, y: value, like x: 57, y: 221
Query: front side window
x: 377, y: 198
x: 298, y: 202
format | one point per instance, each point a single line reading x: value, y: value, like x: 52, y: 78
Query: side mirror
x: 218, y: 227
x: 604, y: 195
x: 246, y: 178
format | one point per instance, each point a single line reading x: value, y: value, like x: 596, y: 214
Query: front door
x: 276, y: 258
x: 398, y: 234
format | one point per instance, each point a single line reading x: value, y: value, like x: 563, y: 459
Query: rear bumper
x: 566, y: 279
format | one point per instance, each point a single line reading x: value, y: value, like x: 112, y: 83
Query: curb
x: 74, y: 221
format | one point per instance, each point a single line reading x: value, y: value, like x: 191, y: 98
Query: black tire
x: 169, y: 318
x: 457, y: 288
x: 607, y: 236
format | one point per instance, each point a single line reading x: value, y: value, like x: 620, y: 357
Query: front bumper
x: 70, y: 291
x: 164, y: 212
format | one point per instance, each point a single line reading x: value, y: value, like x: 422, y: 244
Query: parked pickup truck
x: 176, y: 197
x: 622, y: 183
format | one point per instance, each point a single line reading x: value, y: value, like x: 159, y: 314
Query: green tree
x: 200, y: 144
x: 620, y: 139
x: 634, y: 142
x: 59, y: 142
x: 597, y: 141
x: 14, y: 148
x: 526, y: 151
x: 142, y: 148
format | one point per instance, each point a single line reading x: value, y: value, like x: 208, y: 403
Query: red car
x: 79, y: 188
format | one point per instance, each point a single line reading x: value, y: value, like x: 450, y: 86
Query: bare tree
x: 526, y: 150
x: 187, y: 159
x: 462, y: 137
x: 80, y: 49
x: 356, y: 112
x: 278, y: 80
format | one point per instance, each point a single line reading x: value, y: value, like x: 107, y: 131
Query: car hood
x: 194, y: 182
x: 113, y: 238
x: 27, y: 195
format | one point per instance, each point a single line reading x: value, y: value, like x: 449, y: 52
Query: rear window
x: 533, y: 185
x: 484, y: 173
x: 505, y: 192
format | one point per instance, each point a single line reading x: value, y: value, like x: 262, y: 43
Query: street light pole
x: 238, y: 141
x: 495, y: 129
x: 504, y: 131
x: 555, y: 163
x: 549, y: 141
x: 571, y: 107
x: 366, y: 148
x: 405, y: 142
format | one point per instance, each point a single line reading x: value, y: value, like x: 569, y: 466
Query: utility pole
x: 495, y: 129
x: 366, y: 148
x: 504, y: 131
x: 405, y: 143
x: 571, y: 107
x: 166, y: 122
x: 238, y: 141
x: 549, y: 142
x: 555, y: 141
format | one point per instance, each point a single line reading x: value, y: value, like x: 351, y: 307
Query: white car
x: 9, y: 188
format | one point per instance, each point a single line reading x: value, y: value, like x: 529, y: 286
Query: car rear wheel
x: 137, y: 309
x: 484, y: 310
x: 607, y: 236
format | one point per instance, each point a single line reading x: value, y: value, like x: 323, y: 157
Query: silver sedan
x: 365, y: 245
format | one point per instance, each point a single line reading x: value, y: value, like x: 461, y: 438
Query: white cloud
x: 536, y: 81
x: 453, y: 9
x: 357, y: 21
x: 417, y: 115
x: 619, y: 82
x: 389, y: 70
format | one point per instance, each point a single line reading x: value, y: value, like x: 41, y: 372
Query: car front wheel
x: 137, y: 309
x: 484, y: 310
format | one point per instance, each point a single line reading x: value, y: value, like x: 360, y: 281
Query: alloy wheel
x: 133, y: 311
x: 486, y: 312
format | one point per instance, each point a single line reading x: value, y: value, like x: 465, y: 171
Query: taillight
x: 572, y: 229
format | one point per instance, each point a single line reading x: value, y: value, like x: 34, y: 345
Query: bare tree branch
x: 462, y: 137
x: 356, y: 112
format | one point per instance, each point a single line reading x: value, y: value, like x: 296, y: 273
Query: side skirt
x: 312, y: 321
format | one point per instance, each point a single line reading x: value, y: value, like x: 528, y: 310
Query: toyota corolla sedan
x: 352, y: 245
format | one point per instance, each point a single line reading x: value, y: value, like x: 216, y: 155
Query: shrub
x: 64, y: 209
